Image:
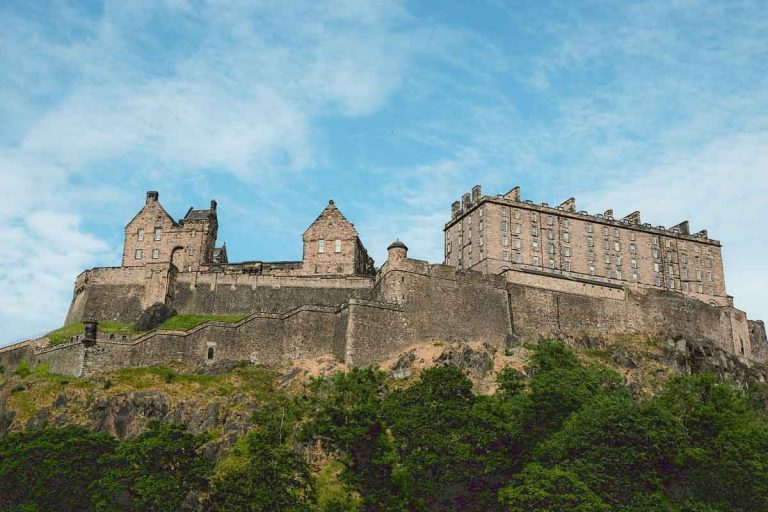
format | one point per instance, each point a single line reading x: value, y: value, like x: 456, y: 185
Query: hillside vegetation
x: 562, y: 432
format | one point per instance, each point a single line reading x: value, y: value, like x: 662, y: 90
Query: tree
x: 542, y: 489
x: 154, y: 471
x: 50, y: 469
x: 346, y: 416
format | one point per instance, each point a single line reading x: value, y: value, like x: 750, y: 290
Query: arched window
x: 210, y: 352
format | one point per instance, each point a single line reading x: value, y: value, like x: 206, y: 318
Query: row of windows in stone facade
x: 157, y: 235
x: 139, y: 254
x: 321, y: 246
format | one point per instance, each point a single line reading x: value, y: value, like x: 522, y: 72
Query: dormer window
x: 321, y: 246
x: 140, y: 235
x: 158, y: 231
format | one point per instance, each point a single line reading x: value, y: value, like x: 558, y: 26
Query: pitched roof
x: 197, y: 214
x: 330, y: 214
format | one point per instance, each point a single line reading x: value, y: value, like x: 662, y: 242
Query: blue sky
x: 393, y: 109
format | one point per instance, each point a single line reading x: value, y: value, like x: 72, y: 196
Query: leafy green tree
x: 50, y: 469
x: 346, y: 416
x: 620, y: 449
x: 511, y: 383
x: 154, y: 471
x: 264, y: 476
x: 540, y: 489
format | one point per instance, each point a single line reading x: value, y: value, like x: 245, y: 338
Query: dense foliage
x: 570, y: 437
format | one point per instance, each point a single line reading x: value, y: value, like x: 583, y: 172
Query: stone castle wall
x: 409, y: 302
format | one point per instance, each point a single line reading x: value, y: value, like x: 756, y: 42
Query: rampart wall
x: 365, y: 322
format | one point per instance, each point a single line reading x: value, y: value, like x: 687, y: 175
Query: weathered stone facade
x: 333, y: 303
x: 496, y: 233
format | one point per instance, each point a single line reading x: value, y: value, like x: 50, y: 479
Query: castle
x: 513, y: 270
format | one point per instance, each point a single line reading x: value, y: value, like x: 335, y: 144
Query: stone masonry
x: 335, y: 302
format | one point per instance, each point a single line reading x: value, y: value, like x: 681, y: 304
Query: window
x: 321, y: 246
x: 668, y: 242
x: 505, y: 241
x: 517, y: 214
x: 592, y: 269
x: 607, y: 259
x: 697, y: 261
x: 505, y: 211
x: 535, y: 245
x: 481, y: 224
x: 655, y: 240
x: 633, y: 262
x: 551, y: 248
x: 616, y: 246
x: 535, y: 260
x: 656, y: 267
x: 683, y: 258
x: 141, y: 235
x: 550, y: 220
x: 550, y: 234
x: 671, y: 284
x: 506, y: 255
x: 589, y: 228
x: 634, y: 277
x: 616, y: 232
x: 517, y: 257
x: 139, y: 254
x: 551, y: 263
x: 591, y: 242
x: 517, y: 229
x: 709, y: 277
x: 481, y: 212
x: 157, y: 234
x: 517, y: 243
x: 658, y: 281
x: 605, y: 230
x: 565, y: 223
x: 567, y: 251
x: 618, y: 260
x: 535, y: 231
x: 701, y: 288
x: 632, y: 235
x: 155, y: 253
x: 655, y: 253
x: 481, y: 244
x: 698, y: 275
x: 504, y: 225
x: 567, y: 266
x: 686, y: 286
x: 669, y: 255
x: 566, y: 237
x: 210, y: 353
x: 709, y: 262
x: 591, y: 255
x: 670, y: 270
x: 684, y: 273
x: 632, y: 248
x: 337, y: 246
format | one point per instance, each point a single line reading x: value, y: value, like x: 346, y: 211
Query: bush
x: 23, y: 370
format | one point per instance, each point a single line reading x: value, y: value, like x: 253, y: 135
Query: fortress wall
x: 566, y: 285
x: 758, y: 340
x: 541, y: 313
x: 233, y: 294
x: 66, y: 358
x: 375, y: 332
x: 309, y: 332
x: 341, y: 333
x: 114, y: 294
x: 12, y: 355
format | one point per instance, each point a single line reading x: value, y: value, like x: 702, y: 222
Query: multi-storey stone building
x: 496, y: 234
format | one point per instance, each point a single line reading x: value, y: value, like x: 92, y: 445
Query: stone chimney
x: 466, y: 202
x: 476, y: 194
x: 152, y: 196
x: 569, y: 205
x: 684, y: 227
x: 608, y: 214
x: 513, y: 195
x: 213, y: 205
x: 455, y: 209
x: 633, y: 218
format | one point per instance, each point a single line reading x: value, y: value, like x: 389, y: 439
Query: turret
x: 396, y: 252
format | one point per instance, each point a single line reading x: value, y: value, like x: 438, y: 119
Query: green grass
x: 63, y: 334
x: 187, y: 322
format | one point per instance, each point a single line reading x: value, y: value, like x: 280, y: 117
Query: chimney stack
x: 152, y: 196
x: 476, y: 194
x: 455, y: 209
